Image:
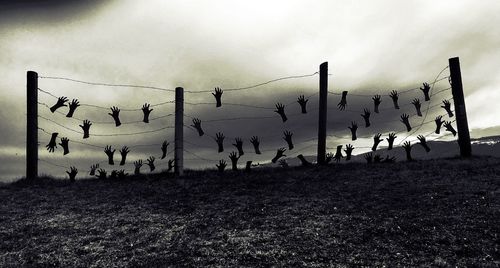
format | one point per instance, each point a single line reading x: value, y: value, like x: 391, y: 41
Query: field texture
x: 440, y: 213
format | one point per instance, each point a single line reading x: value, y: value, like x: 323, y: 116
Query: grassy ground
x: 429, y: 213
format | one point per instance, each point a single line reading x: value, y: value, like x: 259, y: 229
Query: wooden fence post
x: 323, y: 109
x: 179, y: 132
x: 460, y: 112
x: 32, y: 125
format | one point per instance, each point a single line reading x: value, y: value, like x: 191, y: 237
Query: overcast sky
x: 371, y: 46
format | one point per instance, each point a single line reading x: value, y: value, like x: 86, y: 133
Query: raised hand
x: 65, y: 144
x: 115, y: 113
x: 366, y: 116
x: 137, y: 165
x: 353, y: 128
x: 146, y: 111
x: 283, y: 163
x: 377, y: 158
x: 121, y: 174
x: 407, y: 146
x: 197, y: 124
x: 234, y: 160
x: 279, y: 154
x: 376, y: 102
x: 60, y: 103
x: 221, y: 166
x: 248, y: 166
x: 395, y: 96
x: 449, y: 127
x: 124, y: 151
x: 338, y: 154
x: 303, y: 160
x: 303, y: 103
x: 423, y: 142
x: 280, y: 109
x: 329, y: 157
x: 348, y: 151
x: 114, y: 174
x: 72, y: 173
x: 255, y: 142
x: 110, y: 154
x: 418, y: 105
x: 343, y: 102
x: 93, y: 168
x: 376, y: 141
x: 86, y: 127
x: 389, y: 159
x: 288, y: 139
x: 369, y: 158
x: 426, y: 88
x: 52, y: 143
x: 151, y: 163
x: 390, y: 140
x: 72, y: 107
x: 164, y: 146
x: 405, y: 119
x: 218, y: 96
x: 447, y: 107
x: 170, y: 165
x: 102, y: 174
x: 239, y: 145
x: 219, y: 138
x: 439, y: 123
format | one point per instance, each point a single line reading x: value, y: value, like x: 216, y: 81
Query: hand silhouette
x: 406, y: 121
x: 219, y: 138
x: 450, y: 128
x: 52, y: 143
x: 329, y: 157
x: 439, y: 123
x: 423, y: 142
x: 113, y: 175
x: 338, y: 154
x: 218, y: 96
x: 164, y: 146
x: 288, y: 139
x: 353, y: 128
x: 418, y: 105
x: 146, y: 111
x: 407, y: 146
x: 102, y: 174
x: 377, y: 158
x: 392, y: 137
x: 447, y: 107
x: 60, y: 103
x: 280, y: 109
x: 348, y: 151
x: 72, y: 107
x: 115, y: 113
x: 197, y: 124
x: 170, y: 165
x: 248, y: 166
x: 394, y: 96
x: 239, y: 145
x: 279, y: 154
x: 137, y: 165
x: 366, y: 116
x: 110, y: 154
x: 283, y: 163
x: 376, y: 141
x: 343, y: 102
x: 93, y: 168
x: 65, y: 145
x: 303, y: 103
x: 221, y: 166
x: 369, y: 158
x: 234, y: 160
x: 72, y: 173
x: 389, y: 159
x: 304, y: 161
x: 121, y: 174
x: 426, y: 88
x: 124, y: 151
x: 376, y: 102
x: 86, y: 127
x: 255, y: 142
x: 151, y: 163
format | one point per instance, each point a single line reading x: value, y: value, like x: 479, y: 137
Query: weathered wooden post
x: 460, y: 111
x: 179, y: 132
x: 323, y: 96
x: 32, y: 125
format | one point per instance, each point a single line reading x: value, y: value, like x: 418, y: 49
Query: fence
x: 212, y: 134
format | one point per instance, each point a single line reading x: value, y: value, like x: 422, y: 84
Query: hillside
x: 440, y: 213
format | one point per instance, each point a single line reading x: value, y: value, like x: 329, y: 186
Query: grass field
x: 439, y: 213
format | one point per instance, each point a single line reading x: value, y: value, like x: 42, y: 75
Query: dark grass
x: 431, y: 213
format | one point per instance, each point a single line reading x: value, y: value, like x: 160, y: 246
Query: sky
x: 372, y: 47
